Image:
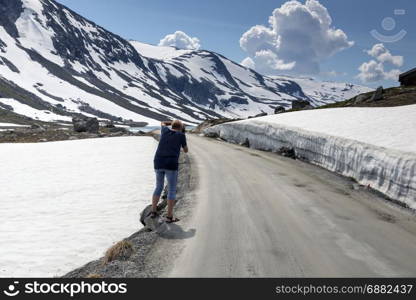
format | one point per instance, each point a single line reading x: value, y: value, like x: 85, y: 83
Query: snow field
x: 64, y: 204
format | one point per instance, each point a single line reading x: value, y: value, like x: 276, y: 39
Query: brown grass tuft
x: 120, y: 251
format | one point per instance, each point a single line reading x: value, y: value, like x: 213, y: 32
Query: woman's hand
x: 166, y: 123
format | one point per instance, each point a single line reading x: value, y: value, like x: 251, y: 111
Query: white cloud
x: 299, y: 37
x: 374, y: 71
x: 382, y: 54
x: 180, y: 40
x: 268, y: 59
x: 333, y: 73
x: 258, y: 37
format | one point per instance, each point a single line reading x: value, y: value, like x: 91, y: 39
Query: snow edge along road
x: 391, y: 172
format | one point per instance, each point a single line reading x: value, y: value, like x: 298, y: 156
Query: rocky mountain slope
x: 55, y: 64
x: 390, y: 97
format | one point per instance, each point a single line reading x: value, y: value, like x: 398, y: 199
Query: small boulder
x: 279, y: 110
x: 110, y: 125
x: 378, y: 94
x: 300, y: 104
x: 288, y: 152
x: 144, y: 214
x: 211, y: 135
x: 246, y: 143
x: 85, y: 124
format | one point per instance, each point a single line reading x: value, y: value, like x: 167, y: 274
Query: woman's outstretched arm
x: 166, y: 123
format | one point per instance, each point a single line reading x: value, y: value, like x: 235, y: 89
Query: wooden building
x: 408, y: 78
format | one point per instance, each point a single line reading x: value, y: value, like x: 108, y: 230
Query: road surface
x: 258, y: 214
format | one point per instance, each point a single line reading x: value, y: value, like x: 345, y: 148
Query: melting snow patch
x: 26, y: 110
x: 12, y: 125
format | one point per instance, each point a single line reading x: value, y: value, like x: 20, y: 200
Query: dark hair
x: 176, y: 124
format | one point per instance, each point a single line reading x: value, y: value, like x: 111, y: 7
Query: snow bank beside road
x: 64, y: 203
x: 375, y: 146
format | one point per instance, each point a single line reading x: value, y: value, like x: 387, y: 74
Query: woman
x: 166, y: 164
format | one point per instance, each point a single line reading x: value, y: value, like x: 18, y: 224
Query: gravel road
x: 257, y: 214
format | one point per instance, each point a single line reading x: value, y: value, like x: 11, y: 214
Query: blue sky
x: 219, y: 25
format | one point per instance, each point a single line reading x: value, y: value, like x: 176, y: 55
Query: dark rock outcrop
x: 85, y: 124
x: 10, y: 65
x: 109, y: 125
x: 288, y: 152
x: 212, y: 135
x: 300, y: 104
x: 10, y: 11
x: 263, y: 114
x: 246, y: 143
x: 279, y: 110
x: 378, y: 94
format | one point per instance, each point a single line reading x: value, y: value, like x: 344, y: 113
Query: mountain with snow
x: 326, y: 92
x: 55, y: 64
